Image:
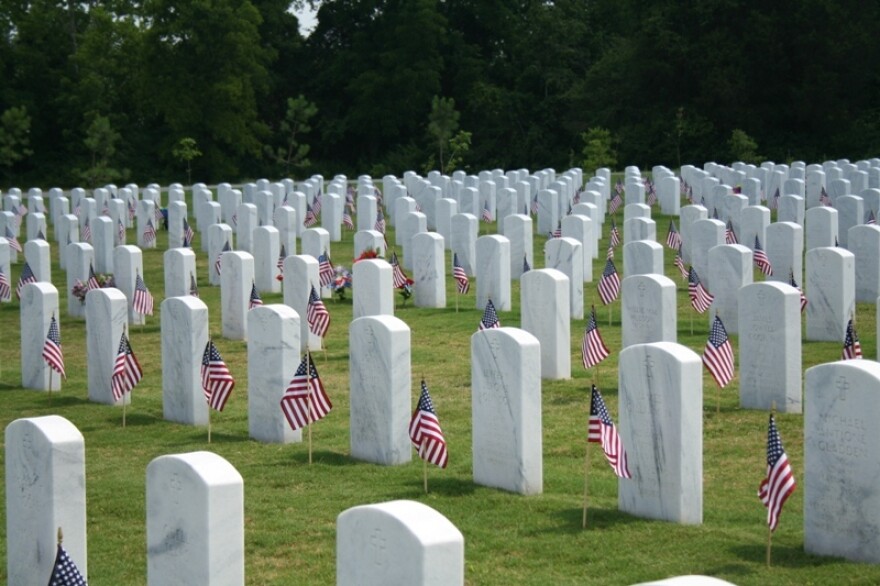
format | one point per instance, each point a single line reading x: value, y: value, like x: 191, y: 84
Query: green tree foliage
x: 185, y: 151
x: 598, y: 151
x: 743, y: 147
x: 100, y: 141
x: 15, y: 128
x: 442, y: 124
x: 293, y: 154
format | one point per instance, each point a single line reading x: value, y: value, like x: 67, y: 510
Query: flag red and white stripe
x: 779, y: 483
x: 52, y: 349
x: 425, y: 432
x: 305, y: 400
x: 593, y: 349
x: 701, y: 299
x: 609, y: 284
x: 461, y: 278
x: 217, y: 381
x: 142, y: 301
x: 761, y: 260
x: 718, y: 354
x: 127, y: 371
x: 852, y: 348
x: 317, y: 315
x: 602, y: 431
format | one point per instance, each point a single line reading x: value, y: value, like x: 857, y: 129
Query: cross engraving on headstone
x: 842, y: 386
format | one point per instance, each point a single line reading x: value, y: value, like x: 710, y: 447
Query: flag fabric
x: 679, y: 262
x: 87, y: 232
x: 325, y: 269
x: 526, y: 267
x: 217, y: 381
x: 120, y: 231
x: 149, y: 232
x: 615, y: 233
x: 461, y: 278
x: 490, y: 318
x: 127, y: 371
x: 380, y: 221
x: 93, y: 279
x: 718, y: 355
x: 534, y: 206
x: 398, y: 277
x: 601, y: 430
x: 40, y: 235
x: 651, y: 192
x: 851, y: 347
x: 131, y: 210
x: 218, y: 265
x: 193, y: 285
x: 142, y: 300
x: 609, y: 284
x: 773, y: 204
x: 347, y: 222
x: 280, y: 264
x: 870, y: 218
x: 311, y: 218
x: 615, y: 203
x: 157, y: 213
x: 13, y: 241
x: 794, y: 284
x: 305, y: 400
x: 593, y: 349
x: 317, y: 315
x: 425, y: 432
x: 188, y: 234
x: 255, y: 300
x: 610, y: 254
x: 557, y: 233
x: 779, y: 483
x: 52, y: 349
x: 701, y: 299
x: 5, y: 289
x: 761, y: 260
x: 486, y: 214
x: 730, y: 234
x: 823, y: 197
x: 316, y: 205
x: 27, y: 276
x: 673, y: 238
x: 64, y: 571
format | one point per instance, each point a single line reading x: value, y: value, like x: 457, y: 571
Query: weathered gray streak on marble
x: 830, y: 289
x: 195, y: 521
x: 429, y: 270
x: 546, y: 314
x: 689, y: 215
x: 464, y: 241
x: 38, y: 255
x: 770, y: 347
x: 372, y: 288
x: 184, y: 325
x: 841, y: 470
x: 106, y: 319
x: 730, y: 268
x: 300, y: 274
x: 179, y: 264
x: 785, y: 250
x: 506, y: 410
x: 103, y: 239
x: 493, y: 272
x: 267, y: 247
x: 566, y: 255
x: 380, y: 389
x: 39, y: 302
x: 273, y: 357
x: 45, y: 489
x: 820, y: 227
x: 580, y: 228
x: 661, y: 427
x: 236, y: 282
x: 864, y: 243
x: 851, y: 212
x: 642, y: 257
x: 129, y: 262
x: 706, y: 234
x: 648, y: 310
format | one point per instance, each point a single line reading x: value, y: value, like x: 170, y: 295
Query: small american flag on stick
x: 127, y: 371
x: 217, y: 381
x: 425, y: 432
x: 718, y: 354
x: 593, y: 349
x: 142, y: 300
x: 602, y: 431
x: 52, y: 349
x: 305, y: 400
x: 779, y: 483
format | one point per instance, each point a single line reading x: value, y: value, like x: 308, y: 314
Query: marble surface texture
x: 129, y: 262
x: 39, y: 302
x: 830, y: 287
x: 267, y: 247
x: 642, y: 257
x: 464, y: 241
x: 429, y: 270
x: 80, y: 256
x: 184, y: 326
x: 104, y: 243
x: 567, y: 256
x: 300, y: 274
x: 820, y: 227
x: 236, y: 282
x: 864, y: 243
x: 648, y: 310
x: 731, y: 267
x: 493, y: 272
x: 581, y: 229
x: 106, y: 318
x: 546, y: 314
x: 179, y: 264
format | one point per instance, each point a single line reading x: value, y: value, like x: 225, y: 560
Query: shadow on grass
x: 440, y: 485
x: 782, y: 555
x: 321, y: 458
x: 572, y: 520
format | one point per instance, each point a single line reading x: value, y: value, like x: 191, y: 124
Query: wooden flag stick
x: 209, y: 423
x: 50, y: 385
x: 609, y: 315
x: 309, y: 401
x: 60, y: 535
x: 424, y: 467
x: 718, y: 400
x: 692, y: 324
x: 456, y: 297
x: 123, y: 409
x: 770, y: 529
x: 586, y: 483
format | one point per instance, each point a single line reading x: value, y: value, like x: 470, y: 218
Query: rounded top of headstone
x: 421, y: 521
x: 542, y: 275
x: 208, y: 467
x: 389, y: 323
x: 677, y: 351
x: 54, y: 428
x: 687, y: 581
x: 191, y: 302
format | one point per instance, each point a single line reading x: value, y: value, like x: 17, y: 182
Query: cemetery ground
x: 291, y: 506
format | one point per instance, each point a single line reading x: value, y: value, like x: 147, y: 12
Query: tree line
x: 145, y: 90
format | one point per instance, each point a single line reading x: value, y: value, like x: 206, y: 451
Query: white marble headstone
x: 184, y: 326
x: 236, y: 282
x: 180, y: 269
x: 493, y: 272
x: 546, y: 314
x: 648, y: 310
x: 300, y: 275
x: 39, y: 303
x: 106, y: 319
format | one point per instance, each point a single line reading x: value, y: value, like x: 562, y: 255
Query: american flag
x: 52, y: 349
x: 188, y: 234
x: 255, y: 299
x: 794, y: 284
x: 535, y: 204
x: 760, y: 258
x: 234, y: 219
x: 730, y: 234
x: 305, y: 400
x: 610, y: 254
x: 601, y: 430
x: 823, y: 197
x: 673, y: 238
x: 346, y: 219
x: 380, y: 221
x: 325, y: 269
x: 142, y: 300
x: 280, y: 264
x: 105, y: 211
x: 870, y: 218
x: 64, y: 571
x: 13, y: 241
x: 21, y: 211
x: 398, y: 277
x: 718, y: 355
x: 317, y: 315
x: 779, y: 483
x: 92, y: 283
x: 486, y: 215
x: 701, y: 299
x: 714, y: 213
x: 557, y: 233
x: 425, y: 432
x: 526, y: 267
x: 40, y: 235
x: 851, y: 346
x: 615, y: 203
x: 120, y: 231
x: 193, y: 286
x: 651, y: 192
x: 311, y: 218
x: 218, y: 263
x: 87, y: 232
x: 217, y: 381
x: 131, y: 210
x: 618, y: 187
x: 126, y: 370
x: 490, y: 318
x: 316, y: 205
x: 5, y: 289
x: 609, y: 284
x: 27, y: 276
x: 615, y: 234
x: 679, y: 262
x: 773, y: 204
x: 157, y: 213
x: 461, y: 278
x: 593, y: 349
x: 149, y: 232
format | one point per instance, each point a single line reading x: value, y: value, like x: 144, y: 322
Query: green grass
x: 291, y: 507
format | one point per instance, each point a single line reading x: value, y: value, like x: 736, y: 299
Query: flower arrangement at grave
x: 341, y: 282
x: 406, y: 290
x: 368, y: 254
x: 80, y: 289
